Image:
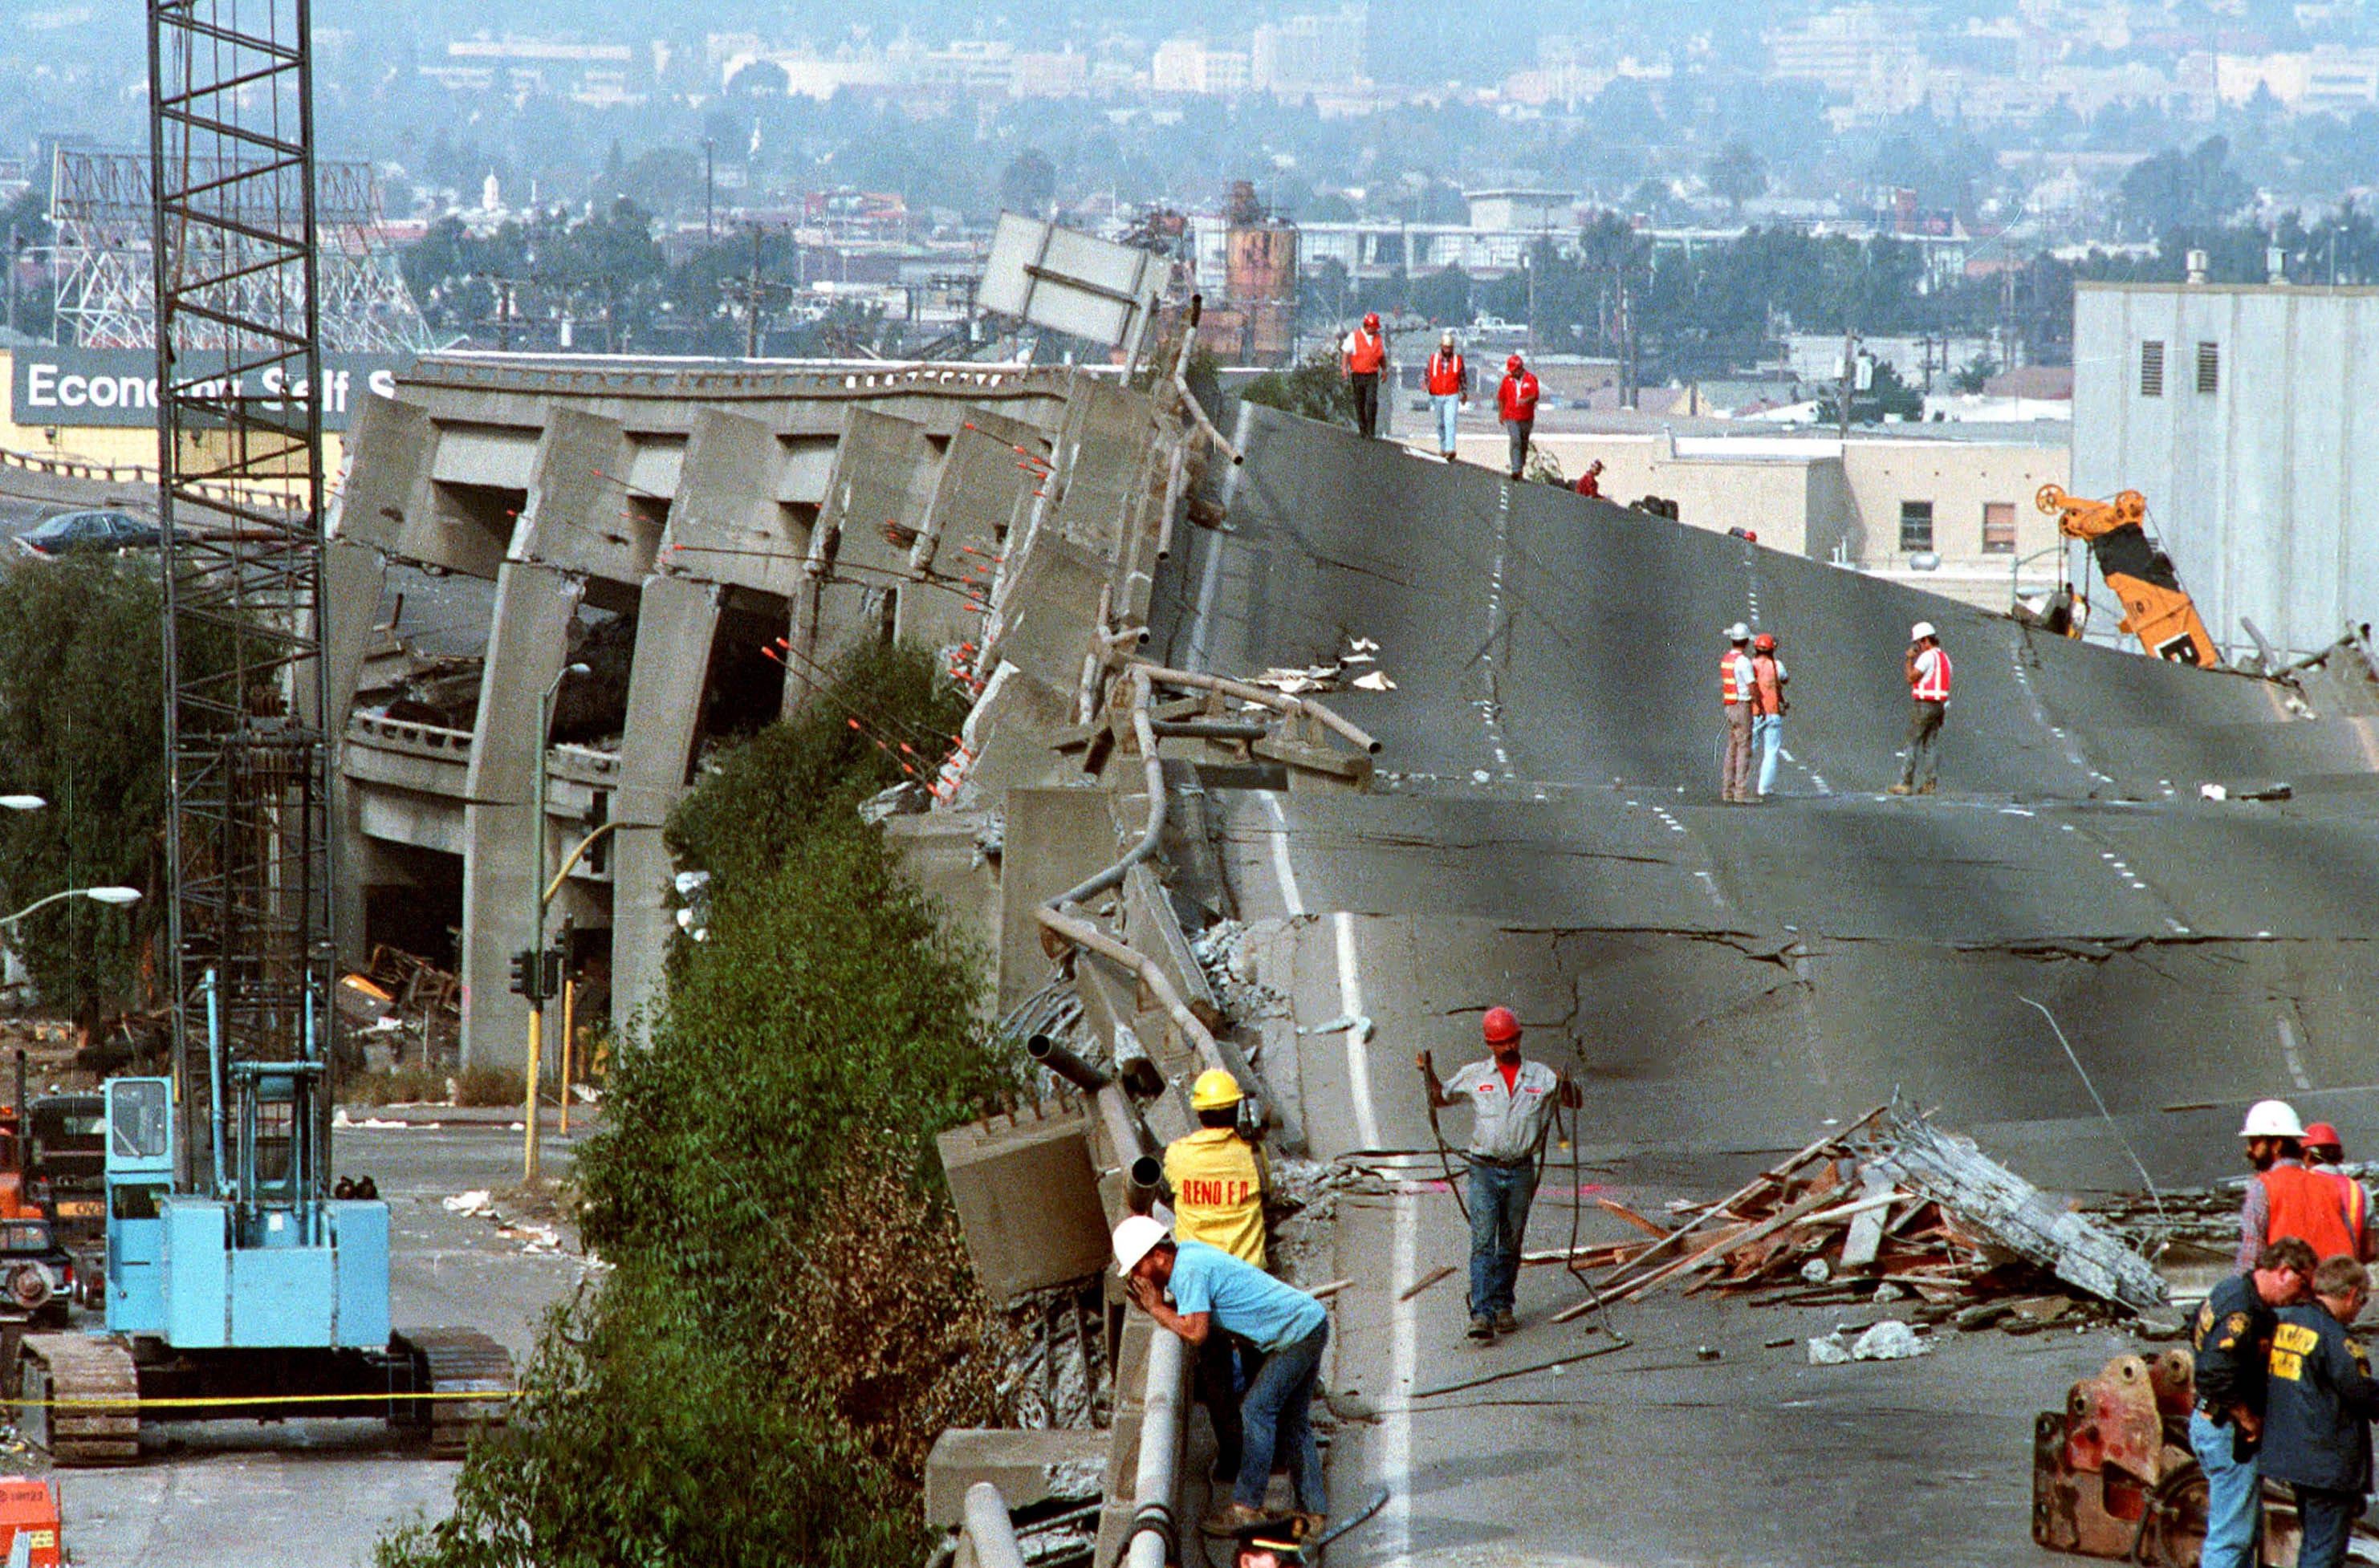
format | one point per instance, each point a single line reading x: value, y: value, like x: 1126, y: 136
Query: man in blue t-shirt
x: 1213, y: 1292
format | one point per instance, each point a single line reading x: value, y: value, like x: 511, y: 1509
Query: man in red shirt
x: 1449, y: 389
x: 1516, y: 405
x: 1366, y: 355
x: 1591, y: 482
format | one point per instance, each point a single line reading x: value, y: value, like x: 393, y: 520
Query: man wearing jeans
x: 1512, y: 1103
x: 2232, y: 1335
x: 1213, y: 1292
x: 2320, y: 1400
x: 1449, y: 389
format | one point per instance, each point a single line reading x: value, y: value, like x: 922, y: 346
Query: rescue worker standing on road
x: 1449, y: 389
x: 1218, y: 1180
x: 1736, y: 693
x: 1366, y: 355
x: 2231, y: 1337
x: 1927, y: 667
x: 1515, y: 406
x: 2285, y: 1198
x: 2324, y: 1151
x: 1769, y: 678
x: 1214, y: 1292
x: 2319, y: 1404
x: 1512, y: 1103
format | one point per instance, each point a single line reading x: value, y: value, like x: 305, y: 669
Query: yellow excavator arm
x: 2155, y: 609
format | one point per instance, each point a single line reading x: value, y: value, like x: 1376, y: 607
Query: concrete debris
x: 1829, y: 1351
x: 479, y: 1202
x: 908, y: 798
x: 1889, y: 1340
x: 2213, y: 792
x: 1356, y: 1024
x: 1376, y: 681
x: 1888, y: 1207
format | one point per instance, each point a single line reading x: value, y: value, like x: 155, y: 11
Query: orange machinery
x: 2155, y: 609
x: 28, y: 1517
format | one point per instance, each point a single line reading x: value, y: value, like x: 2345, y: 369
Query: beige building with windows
x: 1951, y: 515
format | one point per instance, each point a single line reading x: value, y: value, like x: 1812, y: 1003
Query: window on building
x: 2151, y: 369
x: 1999, y: 527
x: 1915, y: 527
x: 2209, y: 367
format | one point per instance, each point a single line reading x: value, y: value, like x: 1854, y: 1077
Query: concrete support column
x: 527, y: 644
x: 353, y: 576
x: 675, y: 624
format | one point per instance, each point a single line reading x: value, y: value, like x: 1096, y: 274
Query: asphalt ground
x: 1725, y: 982
x: 236, y: 1494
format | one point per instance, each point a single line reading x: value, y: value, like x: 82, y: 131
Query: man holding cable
x: 1512, y: 1101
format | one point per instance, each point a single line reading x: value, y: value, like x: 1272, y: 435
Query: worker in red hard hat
x: 2325, y: 1154
x: 1515, y: 406
x: 1512, y: 1101
x: 1364, y: 356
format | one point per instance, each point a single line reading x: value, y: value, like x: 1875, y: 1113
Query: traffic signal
x: 550, y: 973
x: 526, y: 973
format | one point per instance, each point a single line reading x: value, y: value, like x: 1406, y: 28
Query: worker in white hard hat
x: 2287, y: 1198
x: 1215, y: 1292
x: 1448, y: 380
x: 1926, y: 668
x: 1218, y: 1180
x: 1737, y: 696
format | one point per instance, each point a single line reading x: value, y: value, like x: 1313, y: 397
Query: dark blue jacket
x: 2318, y: 1403
x: 2231, y: 1337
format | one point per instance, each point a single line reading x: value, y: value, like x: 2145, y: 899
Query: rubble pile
x: 1890, y: 1207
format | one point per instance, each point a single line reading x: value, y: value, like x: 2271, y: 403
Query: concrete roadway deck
x: 1723, y: 980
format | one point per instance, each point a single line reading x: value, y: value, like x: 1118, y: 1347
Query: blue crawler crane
x: 251, y: 1299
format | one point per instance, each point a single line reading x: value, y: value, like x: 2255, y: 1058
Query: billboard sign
x: 84, y: 387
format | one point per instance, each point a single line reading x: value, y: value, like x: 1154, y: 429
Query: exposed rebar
x: 1154, y: 770
x: 1181, y: 383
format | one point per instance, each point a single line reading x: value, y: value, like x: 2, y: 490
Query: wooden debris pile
x: 1888, y: 1207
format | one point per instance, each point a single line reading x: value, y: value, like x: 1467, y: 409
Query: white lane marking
x: 1358, y: 1060
x: 2289, y: 1049
x: 1491, y: 710
x: 1289, y: 892
x: 1404, y: 1363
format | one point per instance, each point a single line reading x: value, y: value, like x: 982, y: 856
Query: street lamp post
x: 531, y: 1171
x: 97, y: 895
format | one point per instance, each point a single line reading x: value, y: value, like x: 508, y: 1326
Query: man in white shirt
x: 1736, y: 692
x: 1512, y: 1103
x: 1927, y: 667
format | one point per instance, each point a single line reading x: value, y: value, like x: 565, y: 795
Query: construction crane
x: 2156, y: 610
x: 236, y: 1284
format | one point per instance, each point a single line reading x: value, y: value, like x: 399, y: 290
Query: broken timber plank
x: 1724, y: 1244
x: 1649, y: 1227
x: 1867, y: 1231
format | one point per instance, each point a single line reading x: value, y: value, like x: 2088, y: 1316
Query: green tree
x: 1738, y: 175
x: 726, y: 1396
x: 1313, y: 388
x: 1028, y: 183
x: 2175, y: 189
x: 82, y: 725
x: 1444, y: 296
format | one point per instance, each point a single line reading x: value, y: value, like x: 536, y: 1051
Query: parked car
x: 81, y: 533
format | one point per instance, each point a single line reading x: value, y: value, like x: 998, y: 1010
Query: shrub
x: 489, y: 1086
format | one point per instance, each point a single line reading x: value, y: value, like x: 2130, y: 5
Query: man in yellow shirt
x: 1218, y: 1180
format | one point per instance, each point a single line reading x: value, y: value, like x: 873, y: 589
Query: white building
x: 2248, y: 417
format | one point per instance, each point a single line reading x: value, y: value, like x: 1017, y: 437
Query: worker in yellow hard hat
x: 1217, y: 1181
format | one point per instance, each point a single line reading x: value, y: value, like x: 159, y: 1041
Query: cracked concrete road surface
x: 1545, y: 834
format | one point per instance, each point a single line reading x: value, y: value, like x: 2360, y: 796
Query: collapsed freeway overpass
x: 2079, y: 953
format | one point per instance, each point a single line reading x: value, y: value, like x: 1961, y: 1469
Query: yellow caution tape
x: 110, y: 1403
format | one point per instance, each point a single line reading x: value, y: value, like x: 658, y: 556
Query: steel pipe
x: 1210, y: 729
x: 1049, y: 1053
x: 1279, y: 701
x: 1154, y: 1531
x: 989, y: 1529
x: 1174, y: 473
x: 1181, y: 383
x: 1154, y: 770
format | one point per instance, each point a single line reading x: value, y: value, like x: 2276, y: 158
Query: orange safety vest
x: 1445, y: 374
x: 1769, y: 698
x: 1366, y: 352
x: 1732, y: 687
x: 1932, y: 684
x: 2308, y: 1204
x: 2358, y: 1207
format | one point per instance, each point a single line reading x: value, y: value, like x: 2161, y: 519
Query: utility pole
x: 710, y: 211
x: 13, y: 260
x: 1842, y: 407
x: 752, y: 300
